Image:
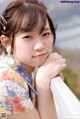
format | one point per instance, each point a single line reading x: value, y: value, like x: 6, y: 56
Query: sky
x: 1, y: 1
x: 67, y: 17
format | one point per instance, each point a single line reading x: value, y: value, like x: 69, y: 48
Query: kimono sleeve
x: 14, y: 94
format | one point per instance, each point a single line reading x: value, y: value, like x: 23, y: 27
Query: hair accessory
x: 3, y: 22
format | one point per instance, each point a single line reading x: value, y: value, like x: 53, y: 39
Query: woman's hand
x: 53, y: 65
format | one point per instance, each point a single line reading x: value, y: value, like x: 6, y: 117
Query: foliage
x: 70, y: 78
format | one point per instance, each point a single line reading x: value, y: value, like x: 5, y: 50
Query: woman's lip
x: 39, y: 55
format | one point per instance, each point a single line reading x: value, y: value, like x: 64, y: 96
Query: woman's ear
x: 5, y: 41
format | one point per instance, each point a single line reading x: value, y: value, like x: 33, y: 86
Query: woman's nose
x: 39, y: 45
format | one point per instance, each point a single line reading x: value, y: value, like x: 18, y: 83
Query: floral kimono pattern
x: 15, y: 84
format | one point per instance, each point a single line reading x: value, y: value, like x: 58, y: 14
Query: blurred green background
x: 72, y: 71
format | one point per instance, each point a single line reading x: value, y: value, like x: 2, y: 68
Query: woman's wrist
x: 43, y: 88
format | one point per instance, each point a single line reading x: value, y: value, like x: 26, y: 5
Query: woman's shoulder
x: 14, y: 92
x: 9, y: 75
x: 8, y: 61
x: 7, y: 67
x: 3, y: 62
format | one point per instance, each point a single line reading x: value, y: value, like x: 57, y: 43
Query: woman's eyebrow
x: 46, y: 29
x: 29, y: 32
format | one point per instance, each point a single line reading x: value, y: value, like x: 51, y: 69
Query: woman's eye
x: 46, y: 34
x: 27, y: 37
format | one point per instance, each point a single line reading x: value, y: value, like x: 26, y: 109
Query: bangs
x: 28, y: 17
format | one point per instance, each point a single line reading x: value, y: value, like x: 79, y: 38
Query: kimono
x: 15, y: 87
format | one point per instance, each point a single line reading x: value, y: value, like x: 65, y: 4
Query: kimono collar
x: 18, y: 67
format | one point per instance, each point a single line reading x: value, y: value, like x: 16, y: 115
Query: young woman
x: 27, y: 35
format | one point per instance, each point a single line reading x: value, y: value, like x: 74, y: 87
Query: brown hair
x: 22, y: 15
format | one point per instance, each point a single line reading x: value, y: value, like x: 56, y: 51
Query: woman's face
x: 32, y: 48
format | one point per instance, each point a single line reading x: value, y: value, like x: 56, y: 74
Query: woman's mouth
x: 40, y: 55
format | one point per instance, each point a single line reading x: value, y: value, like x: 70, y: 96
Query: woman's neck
x: 29, y: 69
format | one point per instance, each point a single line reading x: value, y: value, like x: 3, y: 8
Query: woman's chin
x: 38, y: 64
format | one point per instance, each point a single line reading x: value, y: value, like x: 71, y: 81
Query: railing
x: 67, y: 104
